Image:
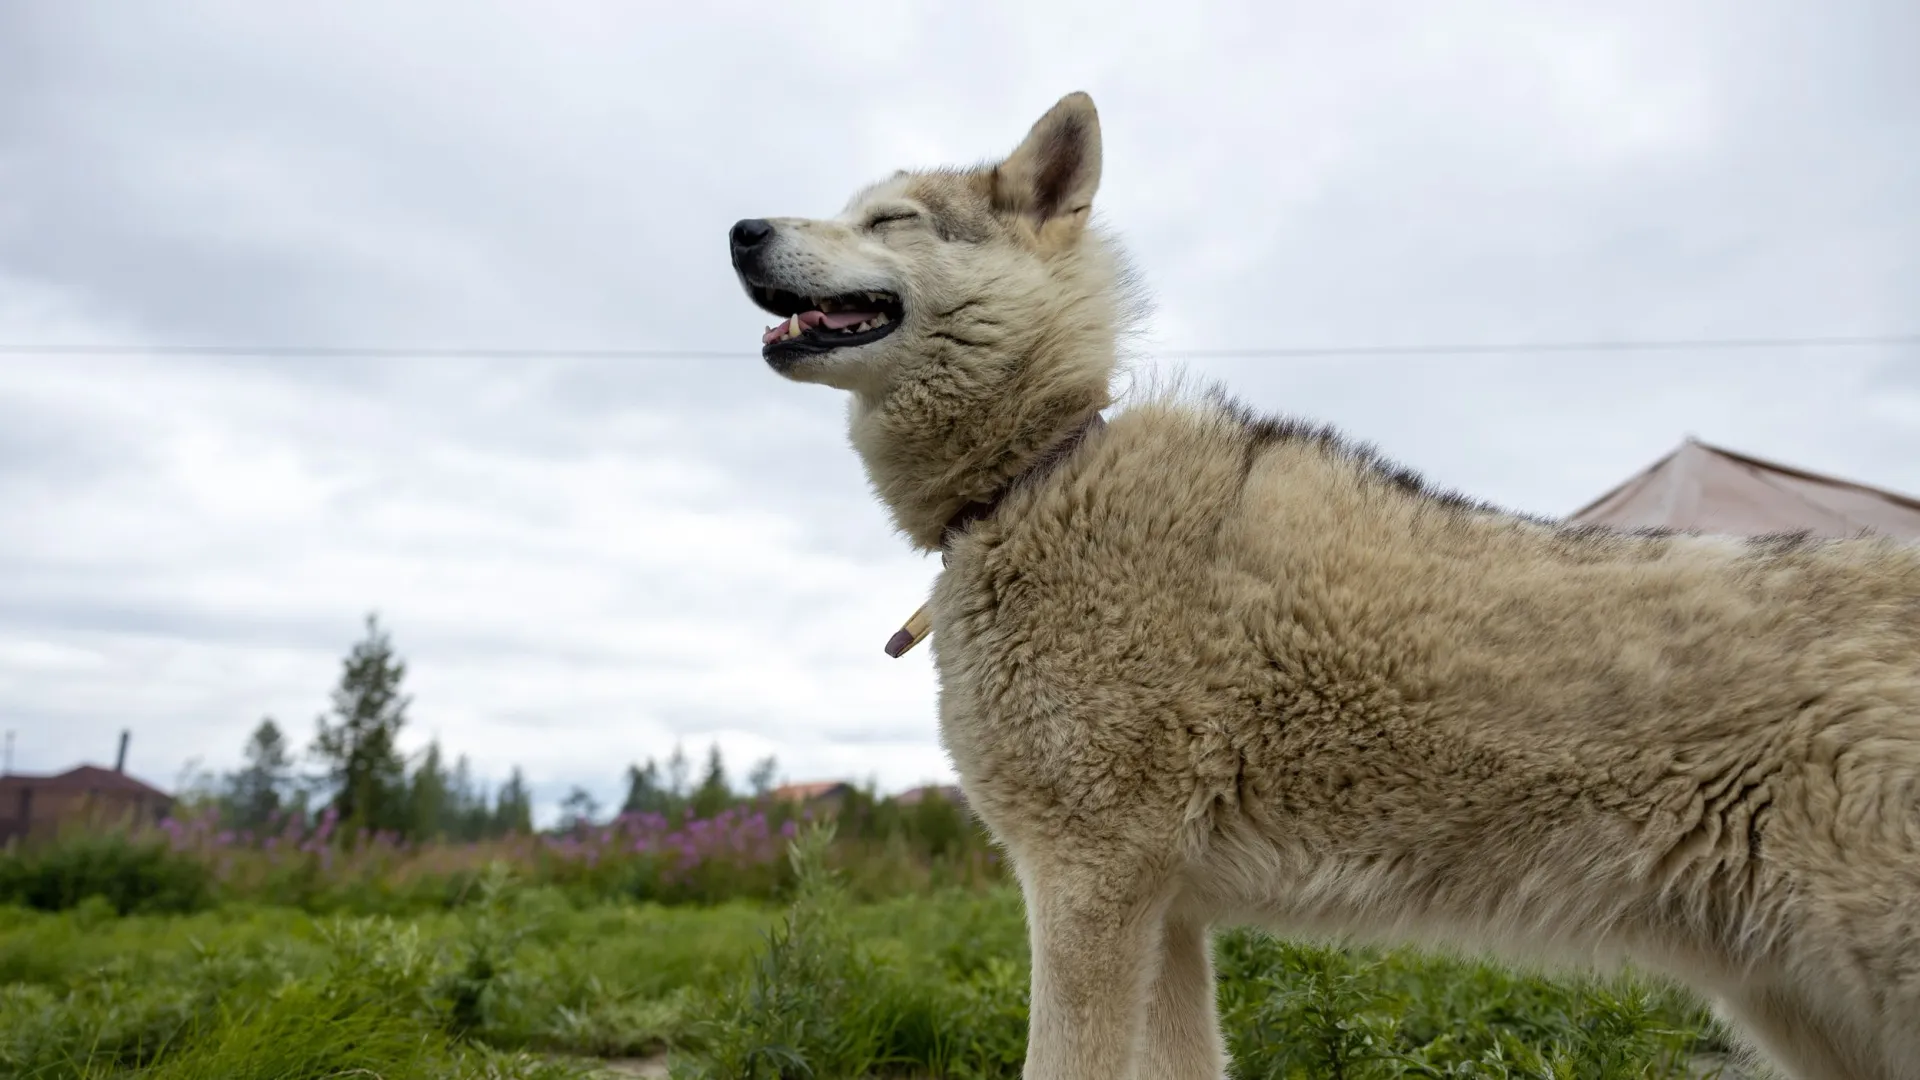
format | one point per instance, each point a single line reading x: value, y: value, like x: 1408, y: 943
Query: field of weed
x: 191, y: 862
x: 543, y: 979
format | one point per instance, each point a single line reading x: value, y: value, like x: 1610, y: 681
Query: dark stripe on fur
x: 1775, y: 545
x: 964, y: 306
x: 968, y: 342
x: 1266, y: 432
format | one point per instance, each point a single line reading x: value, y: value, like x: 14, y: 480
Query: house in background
x: 830, y: 794
x: 823, y: 794
x: 916, y: 796
x: 39, y: 807
x: 1713, y: 490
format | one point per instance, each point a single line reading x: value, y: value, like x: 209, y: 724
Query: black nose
x: 751, y: 233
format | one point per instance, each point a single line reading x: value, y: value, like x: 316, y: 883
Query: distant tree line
x: 361, y: 774
x: 671, y: 793
x: 368, y: 784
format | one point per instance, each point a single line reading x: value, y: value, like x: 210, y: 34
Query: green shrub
x: 133, y: 876
x: 1300, y: 1011
x: 809, y: 1005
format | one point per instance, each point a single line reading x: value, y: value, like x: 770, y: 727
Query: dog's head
x: 983, y: 261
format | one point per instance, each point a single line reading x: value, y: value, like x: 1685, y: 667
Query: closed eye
x: 893, y: 216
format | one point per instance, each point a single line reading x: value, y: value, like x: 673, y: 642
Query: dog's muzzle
x: 748, y: 242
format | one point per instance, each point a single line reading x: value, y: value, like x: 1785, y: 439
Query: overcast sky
x: 584, y: 561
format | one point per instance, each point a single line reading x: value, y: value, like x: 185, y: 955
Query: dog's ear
x: 1050, y: 178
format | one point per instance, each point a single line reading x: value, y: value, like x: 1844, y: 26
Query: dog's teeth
x: 863, y: 327
x: 880, y: 320
x: 793, y: 327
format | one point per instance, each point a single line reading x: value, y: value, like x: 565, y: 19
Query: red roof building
x: 949, y: 792
x: 818, y: 791
x: 37, y: 807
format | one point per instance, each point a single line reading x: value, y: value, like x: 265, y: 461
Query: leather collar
x: 919, y: 624
x: 1046, y: 463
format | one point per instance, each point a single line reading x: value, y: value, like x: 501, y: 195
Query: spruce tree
x: 577, y: 810
x: 513, y: 811
x: 428, y: 796
x: 644, y: 792
x: 677, y: 774
x: 258, y: 790
x: 714, y: 794
x: 360, y: 744
x: 760, y: 780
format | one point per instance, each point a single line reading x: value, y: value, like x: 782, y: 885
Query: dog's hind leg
x: 1800, y: 1034
x: 1095, y: 936
x: 1183, y: 1028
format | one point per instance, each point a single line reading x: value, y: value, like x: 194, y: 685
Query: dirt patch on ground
x: 654, y: 1068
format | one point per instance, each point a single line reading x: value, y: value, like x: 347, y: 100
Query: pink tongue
x: 839, y: 320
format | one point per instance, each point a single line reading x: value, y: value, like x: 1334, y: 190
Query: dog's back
x: 1341, y: 702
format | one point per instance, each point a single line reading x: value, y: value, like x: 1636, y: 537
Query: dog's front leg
x: 1095, y: 940
x: 1183, y: 1028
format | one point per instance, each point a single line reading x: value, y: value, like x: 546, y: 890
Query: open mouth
x: 817, y: 324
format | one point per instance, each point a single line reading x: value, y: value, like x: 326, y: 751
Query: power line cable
x: 1463, y: 349
x: 398, y: 352
x: 374, y: 352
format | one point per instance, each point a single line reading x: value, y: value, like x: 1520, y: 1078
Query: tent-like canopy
x: 1707, y: 489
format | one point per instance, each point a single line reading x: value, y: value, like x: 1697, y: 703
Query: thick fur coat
x: 1216, y: 669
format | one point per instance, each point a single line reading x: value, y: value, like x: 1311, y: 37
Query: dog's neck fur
x: 936, y: 445
x: 984, y: 508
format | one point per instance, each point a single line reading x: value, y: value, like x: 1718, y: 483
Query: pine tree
x: 713, y: 794
x: 577, y: 810
x: 760, y: 780
x: 427, y: 796
x: 460, y: 798
x: 256, y: 792
x: 513, y: 811
x: 481, y: 822
x: 360, y: 747
x: 644, y: 793
x: 677, y: 773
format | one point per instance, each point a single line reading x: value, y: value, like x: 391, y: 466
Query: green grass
x: 528, y: 980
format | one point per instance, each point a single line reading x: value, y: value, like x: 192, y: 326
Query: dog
x: 1199, y: 667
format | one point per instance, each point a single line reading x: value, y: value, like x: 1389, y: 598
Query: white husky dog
x: 1198, y: 667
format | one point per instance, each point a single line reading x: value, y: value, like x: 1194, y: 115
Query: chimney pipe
x: 120, y: 763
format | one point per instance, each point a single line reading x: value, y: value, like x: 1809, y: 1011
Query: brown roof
x: 1713, y: 490
x: 949, y: 792
x: 815, y: 790
x: 90, y: 778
